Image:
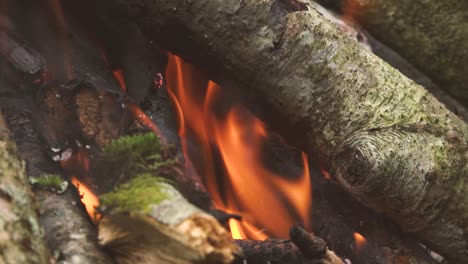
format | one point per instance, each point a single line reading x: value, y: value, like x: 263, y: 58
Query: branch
x: 145, y: 215
x: 21, y: 235
x: 435, y: 45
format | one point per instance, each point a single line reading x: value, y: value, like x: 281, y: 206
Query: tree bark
x: 433, y: 35
x: 384, y: 138
x: 21, y: 236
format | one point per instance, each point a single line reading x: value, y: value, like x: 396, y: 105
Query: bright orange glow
x: 77, y: 166
x: 136, y: 111
x: 268, y: 202
x: 359, y: 240
x: 145, y: 120
x: 88, y: 198
x: 236, y: 230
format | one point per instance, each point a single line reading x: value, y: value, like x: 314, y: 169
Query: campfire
x: 236, y: 132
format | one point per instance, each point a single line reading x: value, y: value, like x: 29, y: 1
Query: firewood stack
x: 84, y: 99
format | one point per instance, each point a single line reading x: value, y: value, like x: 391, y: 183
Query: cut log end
x: 197, y: 239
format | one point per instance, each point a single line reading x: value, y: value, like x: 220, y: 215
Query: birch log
x: 433, y: 35
x: 146, y: 218
x: 384, y: 138
x: 21, y: 236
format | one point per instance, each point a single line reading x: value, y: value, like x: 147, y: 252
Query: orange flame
x: 359, y: 240
x: 78, y: 167
x: 88, y: 198
x: 136, y: 111
x: 268, y: 202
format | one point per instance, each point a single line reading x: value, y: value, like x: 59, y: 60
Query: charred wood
x: 303, y: 248
x: 336, y: 217
x: 70, y: 51
x: 385, y: 139
x: 20, y: 63
x: 69, y: 231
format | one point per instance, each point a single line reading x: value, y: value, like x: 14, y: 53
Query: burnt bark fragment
x: 329, y: 95
x: 303, y: 248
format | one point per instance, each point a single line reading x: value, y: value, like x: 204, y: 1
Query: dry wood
x: 385, y: 139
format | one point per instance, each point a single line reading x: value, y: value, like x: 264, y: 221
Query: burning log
x: 338, y: 218
x: 21, y: 235
x: 424, y: 45
x: 303, y: 248
x: 145, y: 208
x: 385, y: 139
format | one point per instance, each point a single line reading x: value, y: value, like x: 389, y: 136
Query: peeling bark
x: 21, y: 236
x: 433, y: 35
x: 384, y: 138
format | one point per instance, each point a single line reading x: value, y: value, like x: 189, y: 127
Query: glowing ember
x: 325, y: 174
x: 136, y: 111
x: 236, y: 230
x: 359, y: 240
x: 268, y: 202
x: 119, y: 76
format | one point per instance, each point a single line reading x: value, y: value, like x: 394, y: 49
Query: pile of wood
x: 396, y: 155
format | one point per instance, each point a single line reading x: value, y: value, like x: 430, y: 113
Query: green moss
x: 137, y: 195
x: 132, y: 155
x: 50, y: 182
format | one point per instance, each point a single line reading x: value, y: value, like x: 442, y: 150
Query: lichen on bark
x: 433, y: 35
x: 21, y: 236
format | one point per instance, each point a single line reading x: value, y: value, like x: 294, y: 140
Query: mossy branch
x: 149, y: 208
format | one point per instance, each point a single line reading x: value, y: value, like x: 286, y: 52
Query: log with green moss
x: 384, y: 138
x: 433, y: 35
x: 21, y: 236
x: 145, y: 217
